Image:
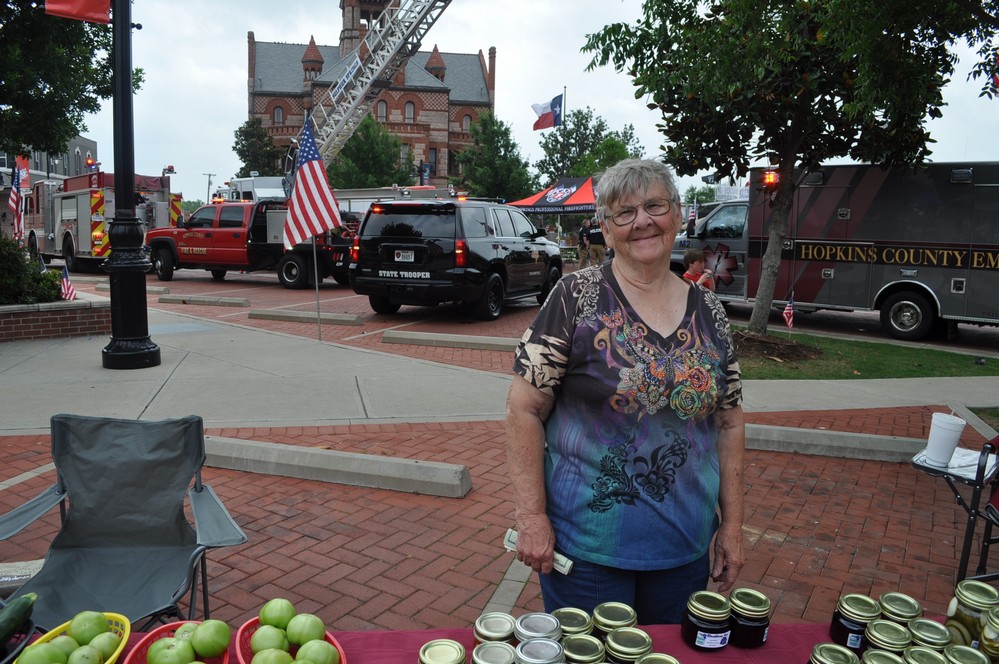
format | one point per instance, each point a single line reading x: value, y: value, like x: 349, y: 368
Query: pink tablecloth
x: 786, y: 644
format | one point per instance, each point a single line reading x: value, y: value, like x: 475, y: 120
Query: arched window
x: 410, y: 112
x: 77, y: 162
x: 381, y: 111
x: 278, y: 116
x: 466, y: 123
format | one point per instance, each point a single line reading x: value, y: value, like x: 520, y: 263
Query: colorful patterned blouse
x: 631, y: 461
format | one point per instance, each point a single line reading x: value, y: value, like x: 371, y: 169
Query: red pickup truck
x: 247, y: 237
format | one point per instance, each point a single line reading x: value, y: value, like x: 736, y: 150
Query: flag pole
x: 562, y: 130
x: 315, y: 278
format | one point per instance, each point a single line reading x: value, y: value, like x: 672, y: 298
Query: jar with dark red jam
x: 850, y: 619
x: 750, y: 618
x: 706, y: 622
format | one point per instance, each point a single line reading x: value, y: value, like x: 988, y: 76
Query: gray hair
x: 629, y: 177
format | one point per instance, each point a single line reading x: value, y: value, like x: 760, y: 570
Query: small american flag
x: 312, y: 209
x: 693, y: 213
x: 16, y: 205
x: 67, y: 291
x: 789, y: 313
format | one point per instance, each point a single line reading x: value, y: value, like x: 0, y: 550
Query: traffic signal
x: 770, y: 179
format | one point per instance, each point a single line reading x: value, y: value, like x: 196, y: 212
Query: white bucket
x: 945, y: 432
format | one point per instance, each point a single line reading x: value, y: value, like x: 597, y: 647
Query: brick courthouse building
x: 430, y: 104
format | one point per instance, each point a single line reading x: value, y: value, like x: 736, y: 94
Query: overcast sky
x: 194, y: 53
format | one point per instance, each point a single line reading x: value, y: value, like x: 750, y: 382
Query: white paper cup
x: 945, y: 432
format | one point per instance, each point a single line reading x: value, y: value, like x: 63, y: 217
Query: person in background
x: 696, y: 271
x: 582, y: 244
x: 596, y: 243
x: 625, y: 429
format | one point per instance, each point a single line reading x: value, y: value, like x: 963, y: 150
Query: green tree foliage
x: 492, y: 166
x: 54, y: 72
x: 21, y: 280
x: 370, y: 159
x: 188, y: 207
x: 793, y: 83
x: 584, y: 145
x: 256, y: 150
x: 702, y: 194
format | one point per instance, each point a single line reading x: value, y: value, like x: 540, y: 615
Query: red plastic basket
x: 137, y: 655
x: 244, y: 655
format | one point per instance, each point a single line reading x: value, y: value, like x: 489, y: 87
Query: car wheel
x: 219, y: 275
x: 69, y: 256
x: 490, y: 305
x: 550, y: 280
x: 293, y: 271
x: 163, y: 265
x: 908, y: 316
x: 382, y: 305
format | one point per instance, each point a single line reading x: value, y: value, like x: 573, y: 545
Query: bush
x: 21, y: 280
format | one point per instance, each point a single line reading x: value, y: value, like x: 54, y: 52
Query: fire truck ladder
x: 391, y: 40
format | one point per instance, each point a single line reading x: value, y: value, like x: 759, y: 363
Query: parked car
x: 424, y: 253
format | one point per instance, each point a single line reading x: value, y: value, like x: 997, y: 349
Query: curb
x: 306, y: 317
x: 449, y: 340
x: 205, y: 299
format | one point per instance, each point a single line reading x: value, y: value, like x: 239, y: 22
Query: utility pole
x: 208, y: 196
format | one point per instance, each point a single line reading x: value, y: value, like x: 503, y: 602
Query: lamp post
x: 208, y: 196
x: 130, y: 346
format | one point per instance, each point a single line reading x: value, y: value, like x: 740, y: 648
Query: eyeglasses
x: 657, y: 207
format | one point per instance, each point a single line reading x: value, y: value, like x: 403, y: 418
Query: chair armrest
x: 20, y: 517
x: 213, y: 524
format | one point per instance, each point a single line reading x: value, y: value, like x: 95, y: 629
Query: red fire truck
x: 921, y: 246
x: 69, y: 219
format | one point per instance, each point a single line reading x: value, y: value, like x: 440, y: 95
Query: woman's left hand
x: 728, y: 559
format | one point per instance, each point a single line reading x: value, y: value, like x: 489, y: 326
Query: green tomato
x: 85, y: 625
x: 185, y: 631
x: 86, y: 655
x: 268, y: 637
x: 106, y: 643
x: 170, y: 650
x: 318, y: 652
x: 272, y: 656
x: 66, y: 643
x: 42, y: 653
x: 211, y: 638
x: 277, y: 612
x: 305, y: 627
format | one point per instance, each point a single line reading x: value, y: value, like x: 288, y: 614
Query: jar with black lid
x: 573, y: 621
x: 706, y: 622
x: 929, y: 633
x: 750, y: 618
x: 956, y: 654
x: 886, y: 635
x: 850, y: 619
x: 582, y: 649
x: 832, y: 653
x: 966, y: 614
x: 626, y: 644
x: 899, y: 607
x: 880, y: 657
x: 922, y: 655
x: 610, y: 616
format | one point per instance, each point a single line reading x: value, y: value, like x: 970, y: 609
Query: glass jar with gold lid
x: 626, y: 644
x: 494, y: 626
x: 899, y: 607
x: 750, y: 617
x: 922, y: 655
x: 537, y: 625
x: 966, y: 614
x: 494, y: 652
x: 539, y: 651
x: 850, y: 618
x: 610, y: 616
x: 706, y: 621
x: 832, y: 653
x: 886, y: 635
x: 989, y: 641
x: 929, y: 633
x: 573, y: 621
x: 957, y: 654
x: 657, y: 658
x: 442, y: 651
x: 880, y: 657
x: 582, y: 648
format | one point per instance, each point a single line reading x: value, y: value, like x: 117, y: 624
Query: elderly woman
x: 625, y: 431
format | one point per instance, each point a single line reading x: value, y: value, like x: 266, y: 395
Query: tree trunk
x: 770, y: 265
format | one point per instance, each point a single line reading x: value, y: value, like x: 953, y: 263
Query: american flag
x: 312, y: 208
x: 16, y: 205
x: 789, y: 312
x: 66, y: 291
x: 693, y: 213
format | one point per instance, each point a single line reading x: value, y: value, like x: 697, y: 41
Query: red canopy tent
x: 566, y: 196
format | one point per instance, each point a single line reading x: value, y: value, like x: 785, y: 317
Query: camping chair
x: 125, y: 545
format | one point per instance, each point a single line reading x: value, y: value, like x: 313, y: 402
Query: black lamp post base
x: 130, y: 354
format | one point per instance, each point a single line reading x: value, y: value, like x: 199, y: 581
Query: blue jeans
x: 659, y: 596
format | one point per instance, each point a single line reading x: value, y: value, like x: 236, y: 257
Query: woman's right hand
x: 536, y: 542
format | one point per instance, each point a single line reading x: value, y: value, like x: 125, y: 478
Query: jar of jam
x: 886, y: 635
x: 657, y: 658
x: 494, y: 626
x: 750, y: 617
x: 626, y: 644
x: 582, y: 648
x: 494, y: 652
x: 573, y: 621
x: 442, y: 651
x: 706, y: 621
x: 899, y: 607
x: 853, y: 613
x: 929, y: 633
x: 880, y: 657
x: 956, y: 654
x: 989, y: 642
x: 611, y: 615
x: 537, y: 625
x: 921, y: 655
x: 966, y: 614
x: 539, y: 651
x: 832, y: 653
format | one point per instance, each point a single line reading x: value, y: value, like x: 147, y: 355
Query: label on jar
x: 709, y: 640
x: 766, y: 633
x: 853, y: 641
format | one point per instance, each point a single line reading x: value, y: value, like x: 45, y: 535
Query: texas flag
x: 93, y: 11
x: 549, y: 113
